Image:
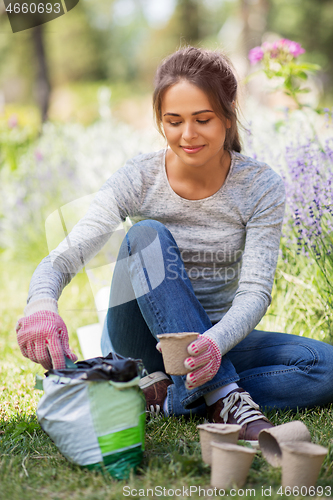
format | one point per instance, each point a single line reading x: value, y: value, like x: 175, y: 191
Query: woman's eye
x: 202, y: 122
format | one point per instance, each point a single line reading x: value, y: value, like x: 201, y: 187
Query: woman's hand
x: 43, y: 338
x: 205, y: 360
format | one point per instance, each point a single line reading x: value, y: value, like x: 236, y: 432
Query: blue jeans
x: 149, y: 297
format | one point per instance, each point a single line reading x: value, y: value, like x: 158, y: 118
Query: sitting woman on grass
x: 200, y: 257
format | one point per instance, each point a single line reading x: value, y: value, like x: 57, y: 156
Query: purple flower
x: 255, y: 55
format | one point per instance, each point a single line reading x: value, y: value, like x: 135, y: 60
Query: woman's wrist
x: 43, y: 304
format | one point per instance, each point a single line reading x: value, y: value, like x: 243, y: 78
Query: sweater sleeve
x: 253, y: 296
x: 118, y: 198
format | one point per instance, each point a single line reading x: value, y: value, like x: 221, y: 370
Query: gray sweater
x: 229, y: 241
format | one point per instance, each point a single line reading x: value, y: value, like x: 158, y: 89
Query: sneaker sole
x: 152, y: 378
x: 254, y: 444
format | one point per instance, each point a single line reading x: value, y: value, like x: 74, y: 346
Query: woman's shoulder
x: 253, y: 169
x: 134, y: 178
x: 153, y: 159
x: 140, y: 168
x: 143, y: 165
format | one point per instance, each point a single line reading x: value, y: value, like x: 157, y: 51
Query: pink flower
x: 274, y: 49
x: 267, y: 46
x: 13, y: 121
x: 293, y: 48
x: 255, y: 55
x: 38, y: 155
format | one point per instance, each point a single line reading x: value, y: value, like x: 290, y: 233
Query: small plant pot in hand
x: 174, y: 351
x: 219, y: 433
x: 270, y: 439
x: 301, y: 463
x: 230, y: 465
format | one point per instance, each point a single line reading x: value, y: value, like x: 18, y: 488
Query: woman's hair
x: 209, y: 71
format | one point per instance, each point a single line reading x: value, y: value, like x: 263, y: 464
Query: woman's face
x: 192, y: 129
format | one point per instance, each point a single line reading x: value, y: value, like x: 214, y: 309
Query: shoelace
x: 154, y: 411
x: 246, y: 412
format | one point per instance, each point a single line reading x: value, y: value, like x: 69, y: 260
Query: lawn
x: 31, y: 467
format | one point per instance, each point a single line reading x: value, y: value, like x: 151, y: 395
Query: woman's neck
x: 199, y: 182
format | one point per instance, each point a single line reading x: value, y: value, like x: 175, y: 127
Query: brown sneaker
x: 155, y: 386
x: 239, y: 408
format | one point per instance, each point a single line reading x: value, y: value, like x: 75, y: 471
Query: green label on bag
x: 120, y: 440
x: 119, y: 465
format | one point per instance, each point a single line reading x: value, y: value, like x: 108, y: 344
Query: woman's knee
x: 145, y: 233
x: 147, y: 227
x: 155, y: 224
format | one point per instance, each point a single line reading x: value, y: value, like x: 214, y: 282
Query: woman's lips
x: 192, y: 149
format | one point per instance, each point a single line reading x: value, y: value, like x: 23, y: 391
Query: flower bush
x: 279, y: 62
x: 309, y: 184
x: 300, y: 147
x: 302, y: 153
x: 70, y: 161
x: 306, y: 162
x: 14, y: 141
x: 283, y: 50
x: 65, y: 163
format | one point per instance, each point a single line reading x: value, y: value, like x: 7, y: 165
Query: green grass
x: 31, y: 467
x: 300, y: 300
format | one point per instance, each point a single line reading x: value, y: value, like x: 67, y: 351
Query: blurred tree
x: 254, y: 17
x: 42, y: 81
x: 16, y: 54
x: 188, y: 21
x: 193, y: 22
x: 122, y: 28
x: 118, y: 40
x: 66, y: 49
x: 74, y: 46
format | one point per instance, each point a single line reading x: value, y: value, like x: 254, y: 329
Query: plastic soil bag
x: 95, y: 413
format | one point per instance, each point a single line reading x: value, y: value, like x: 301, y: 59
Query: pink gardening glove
x: 205, y: 361
x: 43, y: 338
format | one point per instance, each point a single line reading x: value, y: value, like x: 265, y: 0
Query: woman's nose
x: 189, y: 131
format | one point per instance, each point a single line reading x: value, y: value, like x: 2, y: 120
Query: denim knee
x: 155, y: 224
x: 146, y: 231
x: 148, y: 234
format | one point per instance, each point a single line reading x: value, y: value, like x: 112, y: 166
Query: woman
x: 201, y: 256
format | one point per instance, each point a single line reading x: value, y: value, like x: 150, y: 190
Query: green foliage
x: 18, y: 430
x: 310, y: 23
x: 19, y: 127
x: 93, y: 42
x: 31, y: 468
x: 279, y: 63
x: 299, y: 302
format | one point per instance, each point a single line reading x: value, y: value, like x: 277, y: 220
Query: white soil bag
x: 95, y: 413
